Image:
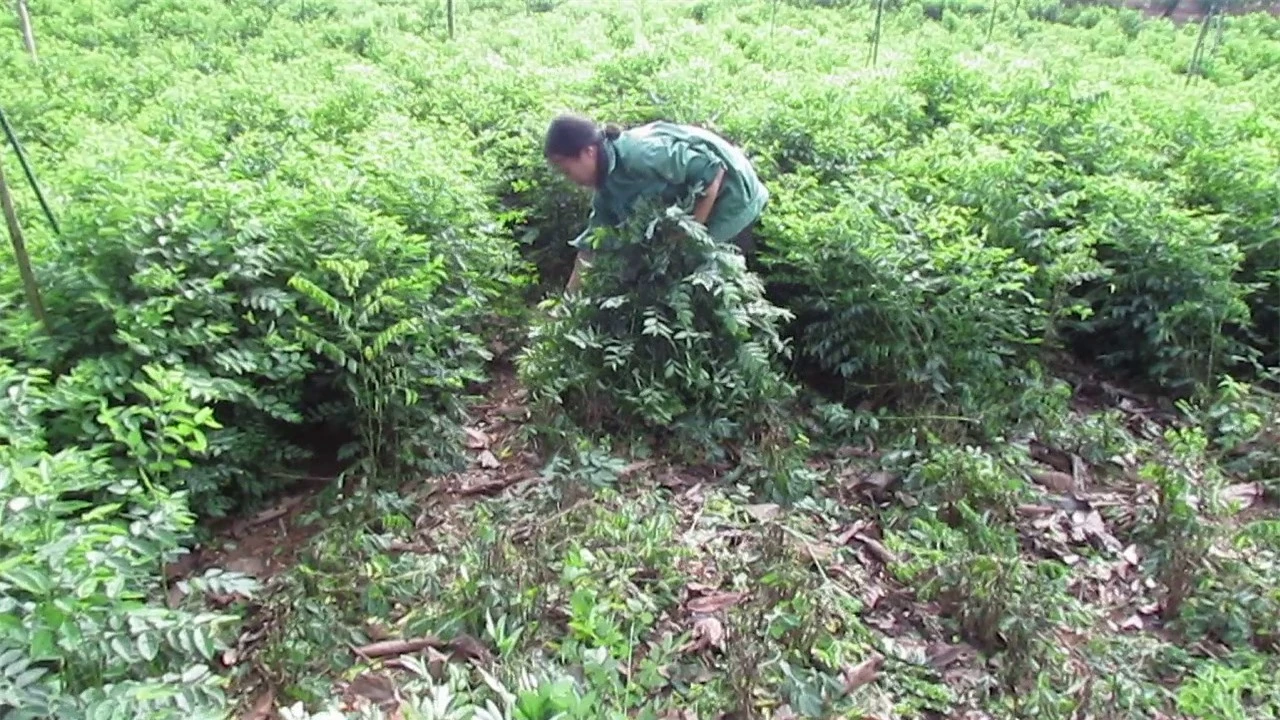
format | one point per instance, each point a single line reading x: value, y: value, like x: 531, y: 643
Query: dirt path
x: 268, y: 543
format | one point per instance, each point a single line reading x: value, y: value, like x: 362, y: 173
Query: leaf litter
x: 1077, y: 527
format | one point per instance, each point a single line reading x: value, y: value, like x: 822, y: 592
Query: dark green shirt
x: 667, y: 162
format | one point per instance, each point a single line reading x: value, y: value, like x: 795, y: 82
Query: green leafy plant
x: 670, y: 332
x: 85, y: 630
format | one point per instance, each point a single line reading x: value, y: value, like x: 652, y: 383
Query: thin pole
x: 20, y: 252
x: 875, y: 40
x: 26, y: 170
x: 28, y: 37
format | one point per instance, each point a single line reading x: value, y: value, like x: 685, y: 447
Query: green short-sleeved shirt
x: 666, y: 161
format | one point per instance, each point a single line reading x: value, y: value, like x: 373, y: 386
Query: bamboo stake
x: 875, y: 40
x: 449, y: 11
x: 26, y: 170
x: 20, y: 252
x: 1195, y: 67
x: 28, y: 37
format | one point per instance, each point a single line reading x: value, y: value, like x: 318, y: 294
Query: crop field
x: 298, y: 422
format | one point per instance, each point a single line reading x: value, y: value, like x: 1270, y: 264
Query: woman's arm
x: 684, y: 165
x: 583, y: 260
x: 599, y: 216
x: 702, y: 210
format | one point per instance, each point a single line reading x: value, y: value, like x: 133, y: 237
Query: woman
x: 661, y: 161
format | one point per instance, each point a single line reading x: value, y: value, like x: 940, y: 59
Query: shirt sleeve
x: 683, y: 164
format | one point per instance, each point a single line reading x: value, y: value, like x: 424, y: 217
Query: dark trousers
x: 748, y: 243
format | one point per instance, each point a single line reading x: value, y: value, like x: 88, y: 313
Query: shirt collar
x: 611, y: 157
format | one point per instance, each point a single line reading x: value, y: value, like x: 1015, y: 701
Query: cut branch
x: 400, y: 647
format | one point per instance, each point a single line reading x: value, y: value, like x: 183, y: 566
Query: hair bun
x: 612, y: 132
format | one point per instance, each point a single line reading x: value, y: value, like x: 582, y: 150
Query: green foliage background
x: 291, y: 225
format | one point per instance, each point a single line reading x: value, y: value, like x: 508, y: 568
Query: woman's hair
x: 569, y: 135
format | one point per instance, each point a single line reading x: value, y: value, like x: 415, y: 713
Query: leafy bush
x: 239, y: 286
x: 670, y: 332
x: 893, y: 295
x: 1170, y: 291
x: 84, y: 629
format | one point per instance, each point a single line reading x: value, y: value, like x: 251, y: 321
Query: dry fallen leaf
x: 1059, y: 482
x: 1244, y: 495
x: 471, y: 648
x: 942, y: 655
x: 378, y: 689
x: 1054, y: 458
x: 247, y: 565
x: 635, y: 467
x: 879, y: 551
x: 1130, y: 555
x: 821, y: 553
x: 863, y: 673
x: 488, y: 460
x: 784, y: 712
x: 264, y: 707
x: 177, y: 591
x: 714, y: 602
x: 879, y: 481
x: 1133, y: 623
x: 764, y: 511
x: 1090, y: 524
x: 476, y: 440
x: 1080, y: 472
x: 436, y: 662
x: 708, y: 632
x: 849, y: 451
x: 871, y: 596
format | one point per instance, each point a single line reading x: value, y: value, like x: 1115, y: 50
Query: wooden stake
x: 449, y: 12
x: 20, y: 252
x: 875, y: 38
x: 28, y: 37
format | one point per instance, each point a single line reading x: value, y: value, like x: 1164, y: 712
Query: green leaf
x: 121, y: 649
x: 114, y: 587
x: 29, y: 579
x: 147, y: 647
x: 100, y: 512
x: 10, y: 658
x: 44, y: 645
x: 204, y: 643
x: 194, y: 673
x: 29, y: 677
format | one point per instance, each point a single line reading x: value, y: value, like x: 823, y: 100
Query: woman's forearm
x: 702, y: 210
x: 583, y: 260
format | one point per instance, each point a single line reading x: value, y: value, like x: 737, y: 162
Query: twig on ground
x: 398, y: 647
